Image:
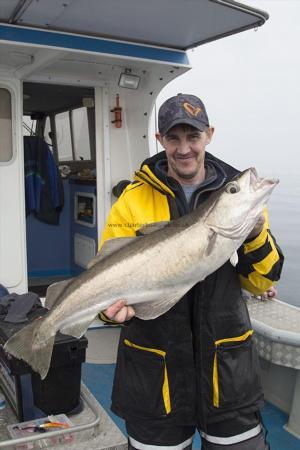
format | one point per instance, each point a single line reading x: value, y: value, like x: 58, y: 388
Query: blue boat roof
x: 59, y: 40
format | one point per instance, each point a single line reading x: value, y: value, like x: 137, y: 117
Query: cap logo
x: 191, y: 110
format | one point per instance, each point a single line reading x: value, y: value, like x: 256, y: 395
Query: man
x: 195, y: 366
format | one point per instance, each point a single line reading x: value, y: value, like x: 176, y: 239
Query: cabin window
x: 72, y: 135
x: 6, y: 147
x: 81, y: 137
x: 29, y: 126
x: 47, y: 132
x: 63, y: 136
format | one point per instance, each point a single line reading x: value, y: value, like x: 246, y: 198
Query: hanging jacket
x: 43, y: 184
x: 195, y: 364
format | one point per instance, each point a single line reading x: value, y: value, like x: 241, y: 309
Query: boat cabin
x: 78, y: 84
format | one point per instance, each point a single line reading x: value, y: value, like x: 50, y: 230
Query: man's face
x: 185, y: 150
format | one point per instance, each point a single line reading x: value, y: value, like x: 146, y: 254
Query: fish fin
x: 212, y: 238
x: 110, y: 246
x: 54, y: 291
x: 79, y: 328
x: 26, y: 345
x: 151, y: 227
x: 152, y: 310
x: 234, y: 259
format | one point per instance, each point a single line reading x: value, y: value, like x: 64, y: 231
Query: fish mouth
x: 260, y: 190
x: 257, y: 183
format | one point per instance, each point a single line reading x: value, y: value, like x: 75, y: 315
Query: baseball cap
x: 183, y: 108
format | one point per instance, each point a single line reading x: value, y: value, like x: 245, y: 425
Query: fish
x: 152, y: 272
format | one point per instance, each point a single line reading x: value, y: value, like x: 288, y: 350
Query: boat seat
x: 277, y: 331
x: 277, y: 335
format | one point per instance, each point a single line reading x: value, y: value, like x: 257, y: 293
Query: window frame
x: 89, y: 163
x: 13, y: 124
x: 56, y: 113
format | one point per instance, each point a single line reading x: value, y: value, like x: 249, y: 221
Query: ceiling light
x: 129, y: 81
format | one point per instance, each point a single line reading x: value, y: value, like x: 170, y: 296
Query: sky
x: 250, y: 84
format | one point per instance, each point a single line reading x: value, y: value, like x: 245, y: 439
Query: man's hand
x: 119, y: 312
x: 270, y: 293
x: 258, y: 227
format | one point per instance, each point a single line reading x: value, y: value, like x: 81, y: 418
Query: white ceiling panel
x: 15, y: 56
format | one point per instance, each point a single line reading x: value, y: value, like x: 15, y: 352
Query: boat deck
x: 98, y: 378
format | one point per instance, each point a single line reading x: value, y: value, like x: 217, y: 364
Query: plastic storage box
x: 30, y: 396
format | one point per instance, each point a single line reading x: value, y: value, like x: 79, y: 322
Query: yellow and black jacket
x: 196, y: 364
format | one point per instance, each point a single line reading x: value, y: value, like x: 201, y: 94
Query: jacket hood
x: 150, y: 174
x: 147, y: 174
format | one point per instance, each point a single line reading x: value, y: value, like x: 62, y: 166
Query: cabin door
x: 12, y: 205
x: 60, y: 181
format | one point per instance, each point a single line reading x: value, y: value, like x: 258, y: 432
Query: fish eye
x: 232, y: 187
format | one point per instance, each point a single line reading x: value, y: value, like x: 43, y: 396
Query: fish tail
x: 33, y: 346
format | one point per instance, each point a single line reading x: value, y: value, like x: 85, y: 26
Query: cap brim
x: 194, y: 123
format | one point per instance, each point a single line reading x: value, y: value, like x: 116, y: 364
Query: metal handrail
x: 49, y: 434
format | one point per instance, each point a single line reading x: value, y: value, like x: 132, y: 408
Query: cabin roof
x: 174, y: 24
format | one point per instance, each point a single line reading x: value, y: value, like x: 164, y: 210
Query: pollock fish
x: 152, y: 272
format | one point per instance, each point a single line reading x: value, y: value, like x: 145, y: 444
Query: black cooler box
x: 29, y: 395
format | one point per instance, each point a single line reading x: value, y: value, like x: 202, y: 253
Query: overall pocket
x: 235, y: 371
x: 147, y: 383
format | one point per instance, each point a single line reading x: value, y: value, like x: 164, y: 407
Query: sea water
x: 284, y: 211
